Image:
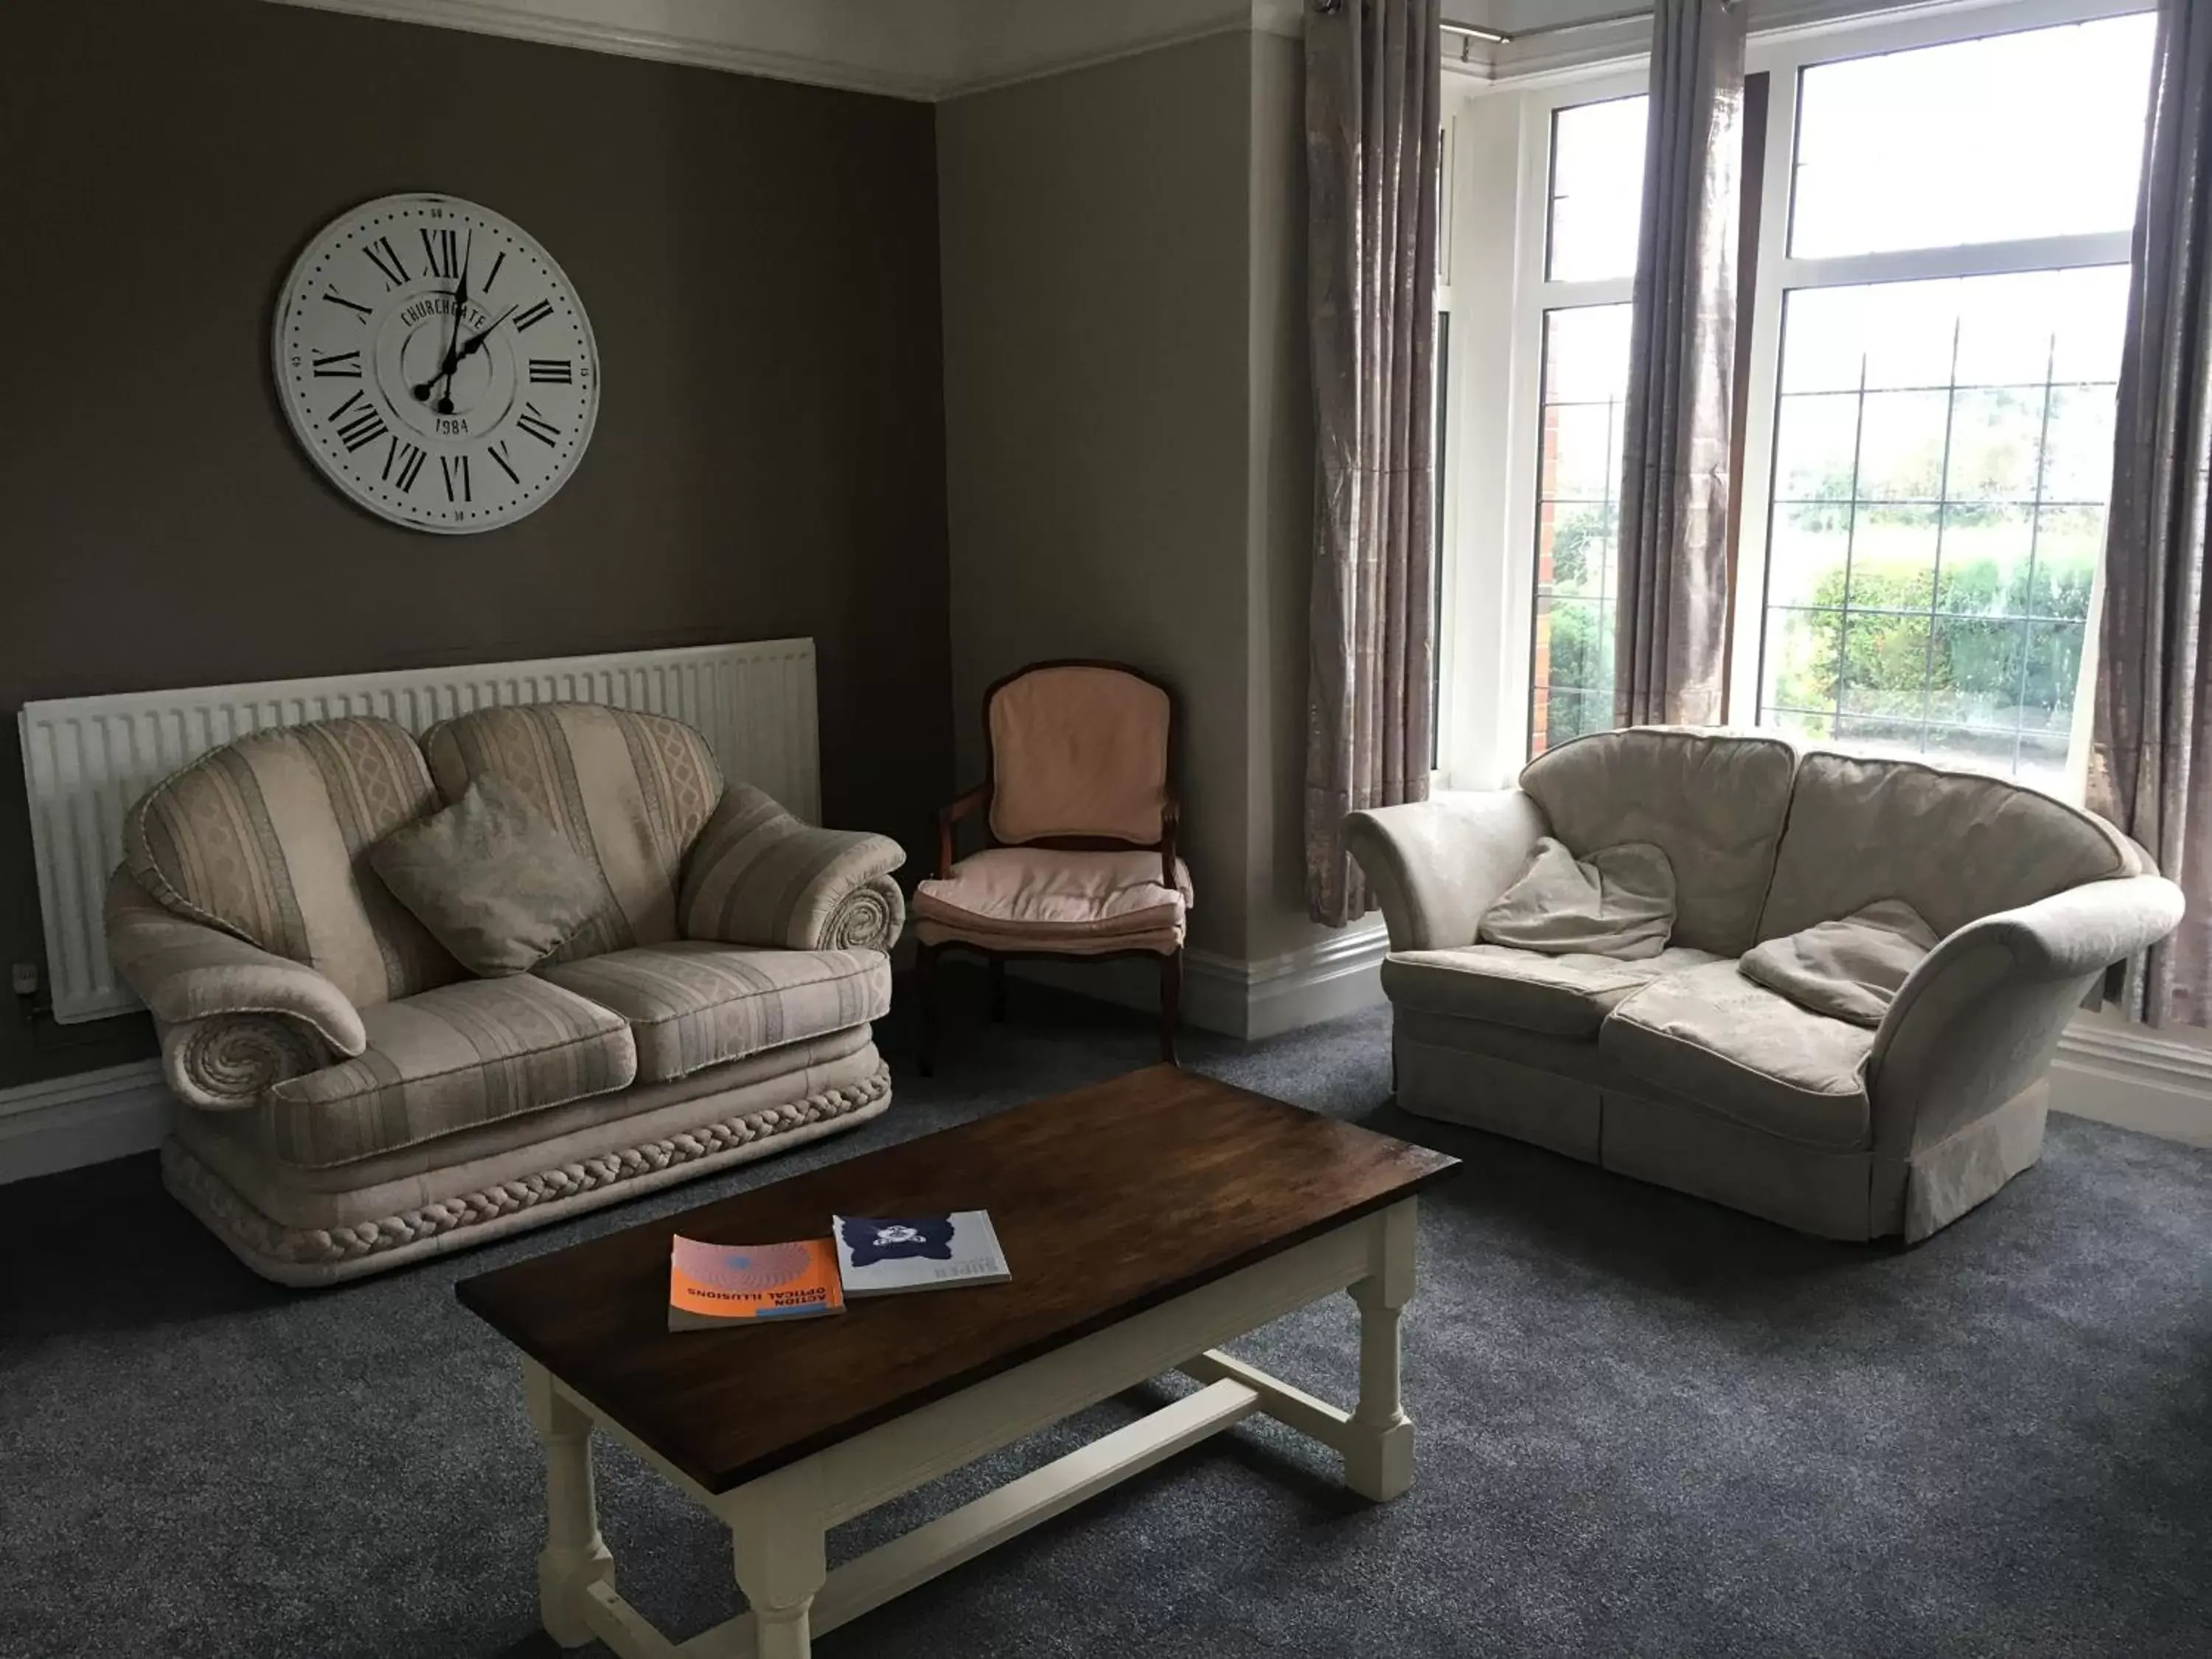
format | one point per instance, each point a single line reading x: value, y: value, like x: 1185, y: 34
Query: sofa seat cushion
x: 1045, y: 896
x: 449, y: 1059
x: 692, y: 1003
x: 1560, y: 995
x: 1714, y: 1037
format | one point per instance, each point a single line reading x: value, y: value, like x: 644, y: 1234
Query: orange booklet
x: 711, y: 1285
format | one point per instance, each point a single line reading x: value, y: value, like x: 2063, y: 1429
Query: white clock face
x: 436, y: 363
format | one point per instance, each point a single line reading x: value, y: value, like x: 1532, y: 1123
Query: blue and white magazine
x: 877, y: 1255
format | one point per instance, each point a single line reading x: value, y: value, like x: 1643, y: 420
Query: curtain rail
x: 1501, y: 37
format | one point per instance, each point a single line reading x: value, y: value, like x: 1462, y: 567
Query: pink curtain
x: 1372, y: 109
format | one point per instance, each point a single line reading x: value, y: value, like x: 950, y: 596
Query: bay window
x: 1939, y: 296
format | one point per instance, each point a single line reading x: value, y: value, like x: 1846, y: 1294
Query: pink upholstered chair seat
x: 1033, y: 898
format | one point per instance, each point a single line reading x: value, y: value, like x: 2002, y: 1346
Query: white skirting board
x: 2135, y: 1081
x: 87, y: 1118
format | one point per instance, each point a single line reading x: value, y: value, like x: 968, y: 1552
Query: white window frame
x: 1497, y: 339
x: 1494, y: 223
x: 1784, y: 60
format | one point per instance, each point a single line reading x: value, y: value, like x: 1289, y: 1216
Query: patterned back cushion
x: 630, y: 791
x: 267, y: 838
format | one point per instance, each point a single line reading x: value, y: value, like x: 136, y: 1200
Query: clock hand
x: 445, y: 403
x: 454, y: 359
x: 478, y: 340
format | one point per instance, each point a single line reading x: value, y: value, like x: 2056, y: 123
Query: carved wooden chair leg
x: 925, y: 986
x: 998, y: 990
x: 1170, y: 1003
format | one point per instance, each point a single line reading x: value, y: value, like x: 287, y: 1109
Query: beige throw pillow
x: 492, y: 878
x: 1619, y: 902
x: 1848, y: 969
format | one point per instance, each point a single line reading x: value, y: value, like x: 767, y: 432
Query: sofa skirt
x: 1562, y: 1094
x: 318, y: 1226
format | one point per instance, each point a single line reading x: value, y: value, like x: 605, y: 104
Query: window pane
x: 1597, y: 190
x: 2038, y: 133
x: 1804, y: 661
x: 1931, y: 548
x: 1811, y: 553
x: 2077, y: 445
x: 1996, y: 434
x: 1987, y: 559
x: 1893, y: 553
x: 1901, y: 445
x: 1577, y: 522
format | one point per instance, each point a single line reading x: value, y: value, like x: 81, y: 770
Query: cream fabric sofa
x: 1678, y: 1069
x: 352, y: 1099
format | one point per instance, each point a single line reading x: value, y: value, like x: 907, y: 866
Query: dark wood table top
x: 1107, y: 1200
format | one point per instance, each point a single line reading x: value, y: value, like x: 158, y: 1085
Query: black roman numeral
x: 385, y: 259
x: 495, y: 264
x: 498, y: 451
x: 551, y: 371
x: 537, y: 314
x: 456, y: 467
x: 409, y: 457
x: 443, y: 250
x: 338, y: 299
x: 534, y: 422
x: 338, y: 366
x: 365, y: 425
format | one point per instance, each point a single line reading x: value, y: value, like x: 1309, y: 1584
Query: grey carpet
x: 1646, y: 1425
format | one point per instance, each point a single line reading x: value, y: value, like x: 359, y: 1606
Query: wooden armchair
x: 1080, y: 856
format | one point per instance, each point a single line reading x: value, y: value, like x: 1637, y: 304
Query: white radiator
x: 87, y: 759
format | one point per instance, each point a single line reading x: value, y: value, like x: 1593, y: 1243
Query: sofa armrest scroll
x: 1437, y: 864
x: 759, y: 876
x: 231, y: 1060
x: 188, y: 973
x: 1980, y: 1017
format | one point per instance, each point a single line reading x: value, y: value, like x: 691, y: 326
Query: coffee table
x: 1146, y: 1220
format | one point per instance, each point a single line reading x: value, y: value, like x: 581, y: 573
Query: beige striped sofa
x: 352, y: 1098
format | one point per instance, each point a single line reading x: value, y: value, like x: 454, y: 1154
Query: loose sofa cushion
x: 1048, y: 897
x: 1748, y: 1053
x: 1955, y: 846
x: 1848, y: 969
x: 1077, y: 751
x: 693, y: 1004
x: 1619, y: 902
x: 1714, y: 802
x: 267, y: 838
x: 446, y: 1059
x: 629, y: 791
x: 1562, y: 995
x: 496, y: 884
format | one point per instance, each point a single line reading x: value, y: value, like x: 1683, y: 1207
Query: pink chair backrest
x: 1078, y: 751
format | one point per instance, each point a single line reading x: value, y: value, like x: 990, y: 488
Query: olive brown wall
x: 760, y: 264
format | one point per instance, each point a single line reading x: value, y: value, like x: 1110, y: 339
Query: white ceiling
x: 921, y: 49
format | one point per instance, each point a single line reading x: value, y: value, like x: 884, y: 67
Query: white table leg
x: 574, y: 1555
x: 1378, y: 1454
x: 777, y: 1548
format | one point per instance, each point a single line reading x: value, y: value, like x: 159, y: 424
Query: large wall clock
x: 436, y: 363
